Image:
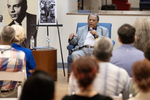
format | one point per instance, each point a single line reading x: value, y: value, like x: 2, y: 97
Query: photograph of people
x: 47, y: 11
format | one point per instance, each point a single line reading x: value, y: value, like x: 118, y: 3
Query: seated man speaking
x: 85, y: 37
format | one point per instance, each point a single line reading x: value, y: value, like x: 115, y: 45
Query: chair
x: 122, y: 4
x: 144, y: 4
x: 70, y: 47
x: 14, y: 76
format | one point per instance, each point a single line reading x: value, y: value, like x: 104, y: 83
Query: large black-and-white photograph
x: 19, y: 12
x: 47, y: 12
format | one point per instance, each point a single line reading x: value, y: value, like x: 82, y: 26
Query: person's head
x: 103, y: 49
x: 7, y: 35
x: 142, y: 26
x: 39, y: 86
x: 17, y: 9
x: 85, y: 70
x: 141, y: 74
x: 93, y: 20
x: 147, y: 50
x: 1, y: 18
x: 20, y: 33
x: 126, y: 34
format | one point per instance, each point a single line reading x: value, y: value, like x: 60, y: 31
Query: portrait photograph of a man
x: 17, y: 10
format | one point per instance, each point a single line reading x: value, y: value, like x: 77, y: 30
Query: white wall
x: 69, y: 26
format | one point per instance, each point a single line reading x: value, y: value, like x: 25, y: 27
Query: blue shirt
x: 30, y: 62
x: 125, y: 56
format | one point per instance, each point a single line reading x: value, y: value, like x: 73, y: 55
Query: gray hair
x: 142, y: 26
x: 7, y: 34
x: 103, y: 48
x: 94, y: 15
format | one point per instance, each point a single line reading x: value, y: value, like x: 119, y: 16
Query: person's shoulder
x: 67, y: 97
x: 29, y: 14
x: 102, y: 97
x: 104, y: 28
x: 18, y: 53
x: 83, y: 27
x: 139, y: 51
x: 117, y: 69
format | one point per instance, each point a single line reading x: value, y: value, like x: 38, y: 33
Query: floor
x: 61, y: 85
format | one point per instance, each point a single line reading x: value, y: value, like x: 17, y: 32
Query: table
x: 46, y: 60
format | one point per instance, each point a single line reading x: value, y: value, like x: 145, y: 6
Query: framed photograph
x: 47, y: 12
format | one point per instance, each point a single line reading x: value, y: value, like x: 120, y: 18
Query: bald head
x: 103, y: 48
x: 7, y: 35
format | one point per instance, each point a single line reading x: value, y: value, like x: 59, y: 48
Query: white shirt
x: 90, y: 40
x: 110, y: 80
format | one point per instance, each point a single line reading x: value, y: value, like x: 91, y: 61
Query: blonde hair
x: 142, y: 26
x: 20, y: 33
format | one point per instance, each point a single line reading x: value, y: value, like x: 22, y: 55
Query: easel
x: 56, y: 25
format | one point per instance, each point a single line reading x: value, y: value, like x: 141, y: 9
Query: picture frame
x: 47, y: 12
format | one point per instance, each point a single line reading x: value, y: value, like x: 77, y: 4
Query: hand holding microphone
x: 93, y: 32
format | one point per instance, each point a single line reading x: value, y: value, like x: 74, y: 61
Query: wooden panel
x: 46, y: 60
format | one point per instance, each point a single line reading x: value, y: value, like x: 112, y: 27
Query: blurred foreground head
x: 85, y: 70
x: 39, y: 86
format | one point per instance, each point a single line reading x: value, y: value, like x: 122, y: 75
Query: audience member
x: 126, y: 55
x: 39, y: 86
x: 147, y: 50
x: 17, y: 11
x: 19, y: 38
x: 12, y: 60
x: 1, y: 22
x: 142, y: 26
x: 85, y: 70
x: 141, y: 76
x: 85, y: 38
x: 111, y: 80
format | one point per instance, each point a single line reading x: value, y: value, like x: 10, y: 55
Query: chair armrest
x: 70, y: 47
x: 113, y: 42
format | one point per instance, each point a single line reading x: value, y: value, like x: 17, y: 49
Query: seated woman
x: 141, y: 76
x: 85, y: 70
x: 39, y: 86
x: 142, y: 26
x: 19, y: 38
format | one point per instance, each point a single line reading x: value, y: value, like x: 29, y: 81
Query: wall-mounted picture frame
x: 47, y: 12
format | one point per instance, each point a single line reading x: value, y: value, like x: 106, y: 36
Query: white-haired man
x: 111, y: 80
x: 11, y: 60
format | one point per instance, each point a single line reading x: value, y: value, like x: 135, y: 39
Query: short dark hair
x: 147, y: 50
x: 126, y: 34
x: 85, y: 70
x: 94, y: 15
x: 39, y: 86
x: 24, y: 4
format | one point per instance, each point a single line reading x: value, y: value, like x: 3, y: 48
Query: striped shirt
x: 11, y: 60
x: 111, y: 80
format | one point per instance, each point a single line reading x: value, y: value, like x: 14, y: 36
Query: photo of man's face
x: 14, y: 8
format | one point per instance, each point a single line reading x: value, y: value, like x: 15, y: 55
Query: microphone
x: 93, y: 34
